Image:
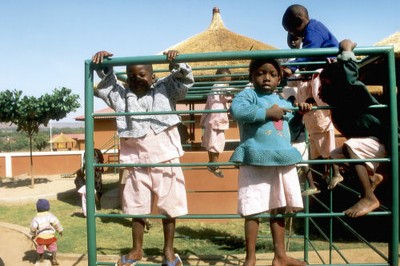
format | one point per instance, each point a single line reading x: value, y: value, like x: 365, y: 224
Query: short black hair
x: 148, y: 67
x: 223, y: 71
x: 256, y: 63
x: 293, y: 12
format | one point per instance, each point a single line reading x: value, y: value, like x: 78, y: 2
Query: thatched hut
x: 62, y: 142
x: 375, y: 73
x: 394, y: 40
x: 217, y: 38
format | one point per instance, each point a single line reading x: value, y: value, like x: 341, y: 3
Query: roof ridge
x: 216, y: 20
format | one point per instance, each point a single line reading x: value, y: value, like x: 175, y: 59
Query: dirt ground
x: 17, y: 249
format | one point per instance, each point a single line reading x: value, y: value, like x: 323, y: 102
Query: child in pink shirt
x: 215, y: 124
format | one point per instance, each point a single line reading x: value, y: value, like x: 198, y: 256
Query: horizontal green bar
x: 238, y: 55
x: 202, y: 111
x: 237, y: 216
x: 321, y: 161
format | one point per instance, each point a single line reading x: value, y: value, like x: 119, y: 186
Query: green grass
x: 114, y: 234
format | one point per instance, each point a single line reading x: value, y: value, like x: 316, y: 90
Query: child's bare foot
x: 334, y: 181
x: 250, y: 262
x: 310, y: 191
x: 362, y: 207
x: 287, y: 261
x: 375, y: 179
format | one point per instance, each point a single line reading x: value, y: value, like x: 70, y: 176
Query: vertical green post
x: 89, y: 154
x: 393, y: 250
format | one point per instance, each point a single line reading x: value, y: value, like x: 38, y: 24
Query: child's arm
x: 304, y: 107
x: 357, y: 90
x: 33, y: 228
x: 275, y: 112
x: 56, y: 224
x: 244, y: 108
x: 98, y: 58
x: 108, y: 83
x: 180, y: 79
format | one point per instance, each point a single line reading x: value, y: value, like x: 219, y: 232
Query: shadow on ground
x: 17, y: 182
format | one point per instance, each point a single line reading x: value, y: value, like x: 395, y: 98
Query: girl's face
x: 140, y: 79
x: 266, y: 78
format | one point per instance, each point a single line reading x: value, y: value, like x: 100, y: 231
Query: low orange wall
x: 47, y: 164
x: 206, y: 193
x: 204, y: 189
x: 43, y: 163
x: 2, y: 166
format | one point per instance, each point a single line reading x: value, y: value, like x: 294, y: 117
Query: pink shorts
x: 267, y: 188
x: 321, y: 144
x: 167, y: 183
x: 363, y: 148
x: 213, y: 140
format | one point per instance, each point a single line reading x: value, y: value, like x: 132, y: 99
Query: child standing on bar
x: 149, y: 139
x: 215, y: 124
x: 268, y: 180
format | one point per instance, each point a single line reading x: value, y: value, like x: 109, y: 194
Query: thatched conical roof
x: 394, y: 40
x: 217, y: 38
x: 62, y: 139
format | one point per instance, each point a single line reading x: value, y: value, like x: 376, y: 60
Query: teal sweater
x: 263, y: 142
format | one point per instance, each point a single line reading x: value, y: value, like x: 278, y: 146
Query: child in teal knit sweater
x: 268, y: 180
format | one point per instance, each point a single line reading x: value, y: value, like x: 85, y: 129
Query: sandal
x: 54, y: 262
x: 215, y: 170
x: 124, y: 260
x: 176, y: 262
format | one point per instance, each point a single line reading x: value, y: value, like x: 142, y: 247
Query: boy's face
x: 266, y: 78
x: 294, y: 42
x: 140, y: 79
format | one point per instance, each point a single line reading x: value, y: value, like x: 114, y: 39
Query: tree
x: 40, y: 141
x: 28, y: 113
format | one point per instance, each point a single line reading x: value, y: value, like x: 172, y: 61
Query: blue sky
x: 44, y: 43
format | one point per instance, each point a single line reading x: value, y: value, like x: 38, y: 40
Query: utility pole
x: 51, y: 137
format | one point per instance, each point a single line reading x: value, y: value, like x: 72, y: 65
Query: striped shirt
x: 163, y: 96
x: 45, y: 225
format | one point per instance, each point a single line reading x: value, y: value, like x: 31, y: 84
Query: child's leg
x: 368, y: 201
x: 251, y: 230
x: 53, y: 249
x: 312, y: 188
x: 40, y: 252
x: 278, y: 237
x: 54, y: 258
x: 137, y: 241
x: 83, y: 201
x: 336, y: 177
x: 309, y: 177
x: 213, y: 156
x: 169, y: 232
x: 375, y: 179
